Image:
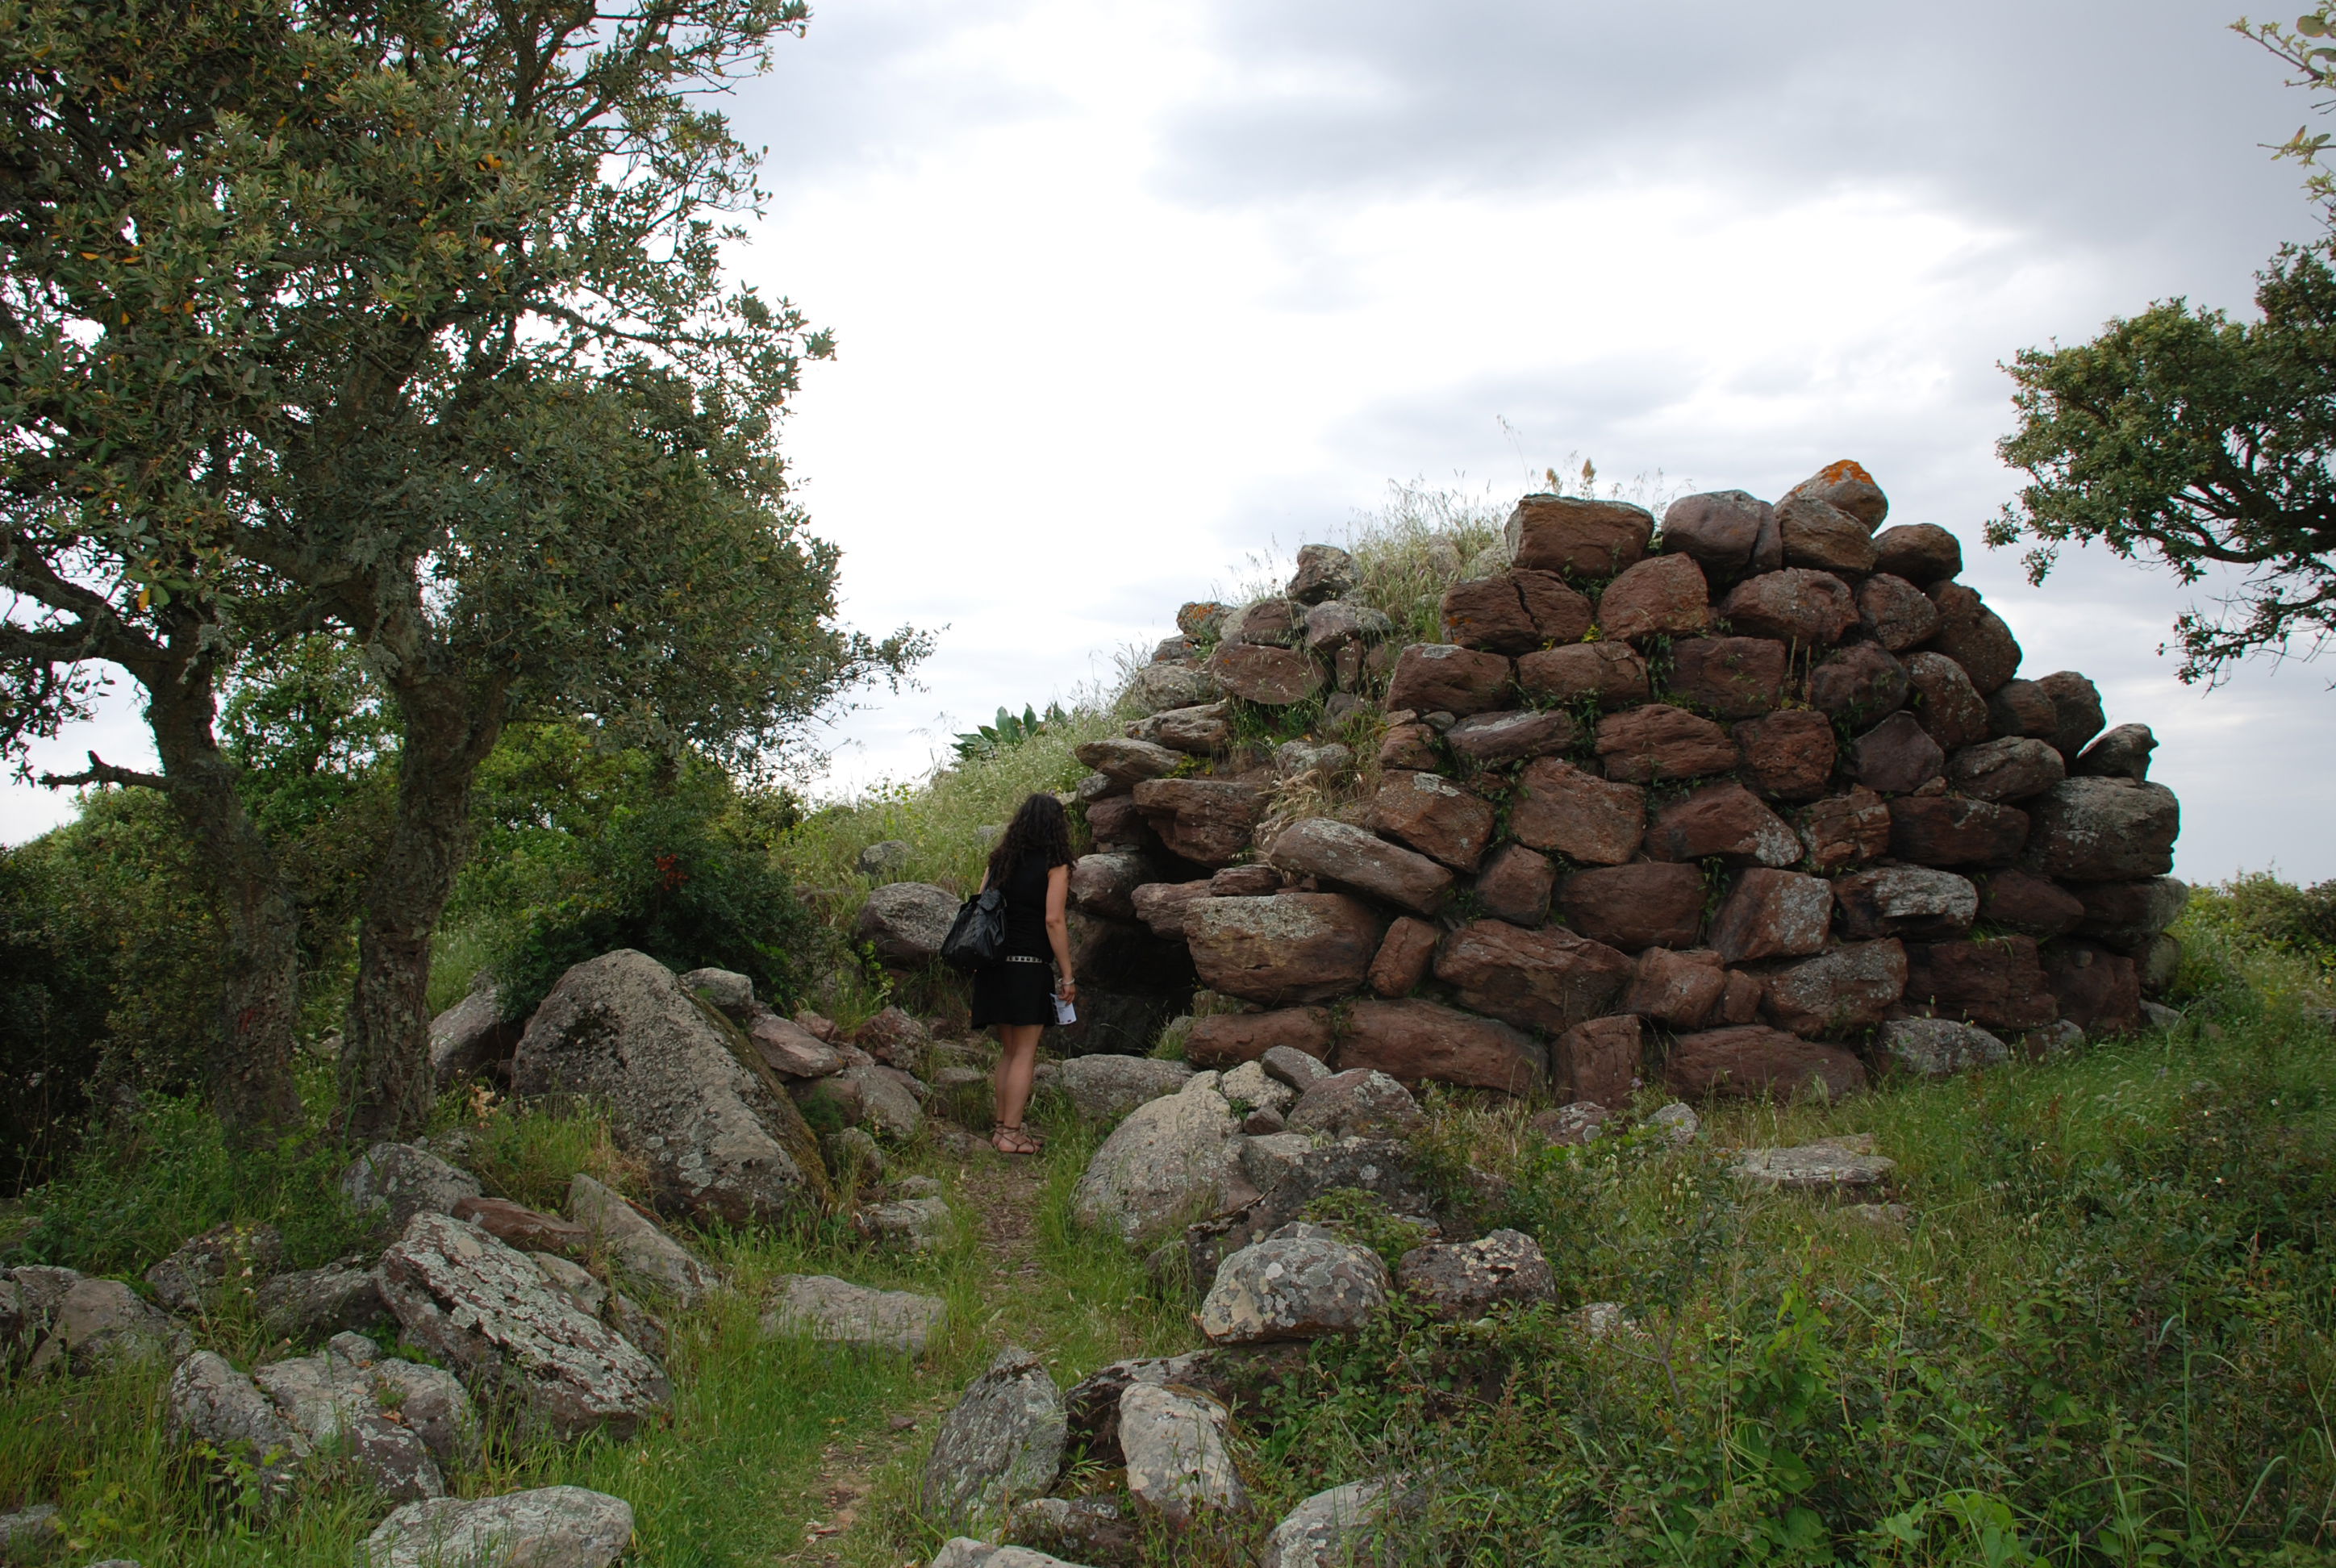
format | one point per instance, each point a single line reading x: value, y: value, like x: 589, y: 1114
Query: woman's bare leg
x: 1017, y: 1060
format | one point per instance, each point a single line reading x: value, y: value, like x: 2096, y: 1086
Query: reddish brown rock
x: 1725, y: 820
x: 1739, y: 1002
x: 1489, y: 739
x: 1608, y: 673
x: 1288, y: 949
x: 1229, y: 1039
x: 2103, y: 829
x: 1811, y: 608
x: 1162, y: 906
x: 1858, y: 685
x: 1997, y: 984
x: 1663, y: 595
x: 1921, y: 553
x: 2005, y: 770
x: 1578, y: 814
x: 1897, y: 756
x: 1324, y: 572
x: 1845, y: 484
x: 1823, y: 538
x: 1265, y: 622
x: 1661, y: 742
x: 1434, y: 816
x: 1788, y: 756
x: 1896, y: 613
x: 1728, y: 677
x: 1416, y: 1042
x: 1244, y: 883
x: 1905, y: 901
x: 1106, y: 884
x: 1946, y: 703
x: 1647, y: 904
x: 1731, y: 533
x: 2125, y: 917
x: 1403, y: 957
x: 1557, y: 613
x: 1845, y: 830
x: 1339, y: 854
x: 515, y: 1225
x: 1436, y: 677
x: 1515, y: 612
x: 1546, y: 980
x: 2123, y: 752
x: 1773, y: 914
x: 1515, y: 886
x: 1276, y: 677
x: 1598, y: 1061
x: 1840, y: 992
x: 2098, y: 990
x: 1974, y: 636
x: 2022, y: 900
x: 1114, y: 823
x: 1206, y: 821
x: 1956, y: 831
x: 1680, y: 990
x: 2021, y: 708
x: 1581, y: 539
x: 1747, y: 1062
x: 1410, y: 747
x: 2077, y: 704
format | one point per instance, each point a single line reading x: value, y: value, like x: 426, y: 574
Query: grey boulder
x: 635, y: 1244
x: 822, y: 1307
x: 308, y: 1302
x: 1003, y: 1440
x: 1356, y: 1104
x: 1831, y: 1165
x: 550, y: 1528
x: 399, y: 1181
x: 1937, y: 1047
x: 1301, y: 1283
x: 1179, y: 1464
x: 1465, y: 1280
x: 474, y: 1034
x: 1171, y: 1157
x: 905, y: 923
x: 209, y: 1402
x: 1102, y: 1087
x: 1331, y: 1529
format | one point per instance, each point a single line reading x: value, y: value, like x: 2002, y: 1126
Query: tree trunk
x: 387, y: 1086
x: 251, y: 1084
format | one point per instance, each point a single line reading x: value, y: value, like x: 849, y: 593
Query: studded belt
x: 1026, y: 958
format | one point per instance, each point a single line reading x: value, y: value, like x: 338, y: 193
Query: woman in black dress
x: 1032, y: 862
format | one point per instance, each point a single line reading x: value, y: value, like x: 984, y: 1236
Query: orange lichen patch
x: 1844, y: 472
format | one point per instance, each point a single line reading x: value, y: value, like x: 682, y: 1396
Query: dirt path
x: 1004, y: 1196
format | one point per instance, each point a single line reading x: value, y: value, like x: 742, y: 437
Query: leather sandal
x: 1013, y: 1140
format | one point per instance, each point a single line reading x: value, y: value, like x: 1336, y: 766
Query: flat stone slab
x: 549, y: 1527
x: 1833, y: 1165
x: 822, y: 1307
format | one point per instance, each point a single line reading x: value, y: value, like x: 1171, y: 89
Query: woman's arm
x: 1058, y: 929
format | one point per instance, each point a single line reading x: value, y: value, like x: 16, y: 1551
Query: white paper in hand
x: 1064, y: 1013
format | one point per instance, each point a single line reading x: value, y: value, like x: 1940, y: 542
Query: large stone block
x: 1609, y: 674
x: 1748, y: 1062
x: 1728, y: 677
x: 1841, y: 991
x: 1598, y: 1060
x: 1545, y: 980
x: 2104, y: 830
x: 1274, y: 677
x: 1975, y: 638
x: 1659, y: 742
x: 1788, y: 756
x: 1434, y: 816
x: 1562, y: 808
x: 1206, y: 821
x: 1580, y: 537
x: 1646, y: 904
x: 1419, y: 1041
x: 1229, y: 1039
x: 1661, y: 596
x: 1724, y: 820
x: 1956, y: 831
x: 1998, y: 983
x: 1730, y: 533
x: 1350, y: 857
x: 1773, y: 914
x: 1287, y: 948
x: 1810, y: 609
x: 1438, y: 677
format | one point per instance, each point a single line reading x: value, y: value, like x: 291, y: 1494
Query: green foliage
x: 2259, y: 907
x: 988, y: 740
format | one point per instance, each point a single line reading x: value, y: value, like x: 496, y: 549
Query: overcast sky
x: 1127, y: 294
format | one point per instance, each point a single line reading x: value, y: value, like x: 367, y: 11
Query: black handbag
x: 977, y: 935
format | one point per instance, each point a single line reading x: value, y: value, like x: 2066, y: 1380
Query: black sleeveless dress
x: 1014, y: 989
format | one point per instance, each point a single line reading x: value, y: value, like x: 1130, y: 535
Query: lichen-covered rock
x: 1609, y: 674
x: 1438, y: 677
x: 1489, y: 739
x: 487, y: 1310
x: 334, y: 1399
x: 95, y: 1324
x: 1895, y: 614
x: 1420, y: 1041
x: 1003, y: 1440
x: 1921, y: 553
x: 822, y: 1307
x: 1259, y: 673
x: 1548, y: 979
x: 1432, y: 814
x: 903, y: 923
x: 1178, y: 1462
x: 1663, y: 595
x: 1938, y: 1048
x: 1845, y: 830
x: 1946, y: 703
x: 1859, y: 685
x: 1975, y: 638
x: 1104, y: 1086
x: 686, y: 1094
x: 209, y: 1401
x: 474, y: 1034
x: 517, y: 1225
x: 1082, y: 1529
x: 1206, y: 821
x: 2123, y: 752
x: 1955, y: 831
x: 1659, y: 742
x: 1795, y: 605
x: 1170, y: 1157
x: 1356, y: 1103
x: 1773, y: 914
x: 1789, y: 755
x: 1749, y: 1061
x: 2104, y: 830
x: 1335, y: 1529
x: 1840, y: 992
x: 1562, y: 808
x: 1290, y: 947
x: 309, y: 1303
x: 1162, y: 906
x: 399, y: 1181
x: 1826, y: 1167
x: 2128, y: 916
x: 226, y: 1257
x: 1998, y: 983
x: 636, y: 1244
x: 1301, y: 1283
x: 1677, y: 990
x: 549, y: 1527
x: 2010, y: 769
x: 1463, y: 1281
x: 1728, y: 676
x: 1723, y: 821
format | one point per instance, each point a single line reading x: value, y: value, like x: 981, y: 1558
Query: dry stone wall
x: 1723, y: 799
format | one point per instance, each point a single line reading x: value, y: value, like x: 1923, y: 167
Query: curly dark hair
x: 1042, y: 828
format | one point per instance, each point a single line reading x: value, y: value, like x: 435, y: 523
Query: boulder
x: 1161, y: 906
x: 1598, y: 1060
x: 729, y: 992
x: 1998, y: 983
x: 866, y: 1095
x: 1724, y: 820
x: 1572, y: 1127
x: 1577, y: 537
x: 822, y: 1307
x: 1562, y: 808
x: 790, y: 1050
x: 1265, y: 622
x: 1250, y: 1087
x: 1339, y: 624
x: 1199, y: 729
x: 1439, y: 677
x: 1274, y: 677
x: 904, y: 923
x: 1787, y: 755
x: 1829, y: 1166
x: 191, y: 1280
x: 2098, y: 990
x: 2010, y: 769
x: 1678, y: 1123
x: 1290, y: 947
x: 1659, y: 742
x: 1822, y: 537
x: 1771, y: 914
x: 1840, y: 992
x: 1728, y: 677
x: 1335, y: 1528
x: 1905, y: 901
x: 1302, y: 1282
x: 1206, y: 821
x: 1858, y: 685
x: 1244, y: 881
x: 1422, y: 1042
x: 1086, y: 1529
x: 1515, y: 886
x: 350, y: 1400
x: 1178, y: 1463
x: 1489, y: 739
x: 399, y: 1181
x: 965, y: 1552
x: 92, y: 1324
x: 1403, y: 955
x: 1105, y: 885
x: 1546, y: 980
x: 1460, y: 1281
x: 1103, y: 1086
x: 2103, y: 829
x: 634, y: 1245
x: 1937, y: 1047
x: 2035, y: 906
x: 309, y: 1303
x: 2126, y: 915
x: 473, y: 1035
x: 1661, y: 596
x: 1921, y: 553
x: 488, y: 1310
x: 1946, y: 703
x: 1228, y: 1039
x: 1409, y: 748
x: 2021, y: 708
x: 1292, y: 1171
x: 920, y: 1224
x: 1356, y: 1103
x: 1513, y: 612
x: 1002, y: 1441
x: 517, y: 1225
x: 1433, y: 815
x: 1298, y: 1070
x: 1897, y: 756
x: 1845, y: 830
x: 1807, y: 609
x: 1609, y: 674
x: 686, y: 1094
x: 1677, y: 990
x: 2077, y: 713
x: 1845, y: 485
x: 1164, y: 687
x: 1895, y: 614
x: 1350, y: 857
x: 1728, y: 533
x: 209, y: 1402
x: 1748, y: 1062
x: 1975, y: 638
x: 2123, y: 752
x: 1956, y: 831
x: 1201, y: 619
x: 1645, y: 904
x: 549, y: 1527
x: 1170, y: 1157
x: 1324, y: 572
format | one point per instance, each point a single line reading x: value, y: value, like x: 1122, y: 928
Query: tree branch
x: 101, y: 772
